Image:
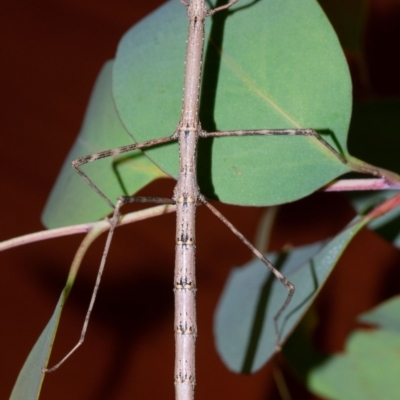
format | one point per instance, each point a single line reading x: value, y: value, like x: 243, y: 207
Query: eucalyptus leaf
x: 267, y: 65
x: 72, y: 201
x: 369, y: 368
x: 386, y: 315
x: 244, y: 324
x: 30, y: 378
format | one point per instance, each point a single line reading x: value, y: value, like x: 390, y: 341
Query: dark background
x: 51, y: 54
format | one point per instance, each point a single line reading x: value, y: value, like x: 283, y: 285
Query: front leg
x: 293, y: 132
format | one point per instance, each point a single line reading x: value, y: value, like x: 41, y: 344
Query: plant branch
x: 341, y: 185
x: 344, y: 185
x: 104, y: 225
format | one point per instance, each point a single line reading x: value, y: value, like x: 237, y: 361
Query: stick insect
x: 186, y: 197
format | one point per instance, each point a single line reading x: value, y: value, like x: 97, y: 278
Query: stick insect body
x: 186, y: 197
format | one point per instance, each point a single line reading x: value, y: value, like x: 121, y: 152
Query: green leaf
x: 369, y: 369
x: 30, y: 378
x: 386, y: 315
x: 268, y: 65
x: 72, y: 201
x: 244, y: 325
